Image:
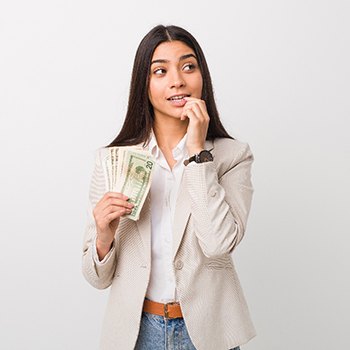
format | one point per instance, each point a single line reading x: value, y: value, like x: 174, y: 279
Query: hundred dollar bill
x: 135, y: 179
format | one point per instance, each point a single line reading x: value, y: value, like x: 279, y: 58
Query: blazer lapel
x: 144, y: 227
x: 183, y: 210
x: 144, y: 224
x: 182, y: 214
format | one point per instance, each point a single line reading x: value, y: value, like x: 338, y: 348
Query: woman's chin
x: 171, y: 115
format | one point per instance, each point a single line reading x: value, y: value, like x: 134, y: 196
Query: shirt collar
x: 153, y: 146
x: 180, y: 148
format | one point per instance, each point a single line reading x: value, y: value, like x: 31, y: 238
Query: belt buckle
x: 166, y: 311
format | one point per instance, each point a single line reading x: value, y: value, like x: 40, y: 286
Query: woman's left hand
x: 196, y: 111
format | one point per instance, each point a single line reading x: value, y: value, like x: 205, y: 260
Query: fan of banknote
x: 129, y: 171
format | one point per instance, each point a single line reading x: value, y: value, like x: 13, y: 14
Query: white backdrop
x: 281, y: 76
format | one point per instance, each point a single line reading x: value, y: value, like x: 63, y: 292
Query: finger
x: 113, y: 208
x: 189, y: 104
x: 108, y: 217
x: 202, y: 106
x: 116, y: 195
x: 192, y: 116
x: 116, y: 214
x: 197, y: 111
x: 192, y: 99
x: 115, y: 202
x: 186, y: 110
x: 111, y: 205
x: 195, y: 108
x: 111, y: 195
x: 198, y: 102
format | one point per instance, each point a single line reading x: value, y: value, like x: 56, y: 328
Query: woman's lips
x: 178, y: 103
x: 178, y: 100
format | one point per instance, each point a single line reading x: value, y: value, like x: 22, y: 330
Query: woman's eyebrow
x: 183, y: 57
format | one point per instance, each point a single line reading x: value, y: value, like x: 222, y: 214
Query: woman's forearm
x: 102, y: 249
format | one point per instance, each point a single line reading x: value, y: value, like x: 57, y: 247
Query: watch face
x: 205, y: 156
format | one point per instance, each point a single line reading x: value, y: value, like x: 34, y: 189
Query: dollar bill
x: 106, y: 162
x: 129, y: 171
x: 114, y: 153
x: 136, y: 179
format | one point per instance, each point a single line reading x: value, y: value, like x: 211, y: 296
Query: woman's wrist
x: 194, y: 150
x: 102, y: 248
x: 103, y: 243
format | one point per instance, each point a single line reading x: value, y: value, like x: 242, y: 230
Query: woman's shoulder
x: 228, y: 153
x: 100, y: 154
x: 231, y: 147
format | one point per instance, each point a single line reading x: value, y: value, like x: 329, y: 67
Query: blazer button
x: 179, y: 264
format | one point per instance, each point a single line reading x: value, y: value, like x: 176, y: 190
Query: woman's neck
x: 169, y: 132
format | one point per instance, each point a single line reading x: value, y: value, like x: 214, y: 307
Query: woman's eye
x: 189, y: 66
x: 159, y: 71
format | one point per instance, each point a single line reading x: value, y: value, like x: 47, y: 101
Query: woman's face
x: 174, y: 74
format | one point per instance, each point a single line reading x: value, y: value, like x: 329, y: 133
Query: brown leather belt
x: 168, y: 310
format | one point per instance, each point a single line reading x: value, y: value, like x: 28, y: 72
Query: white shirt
x: 163, y: 192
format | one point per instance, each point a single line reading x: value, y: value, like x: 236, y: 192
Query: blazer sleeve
x: 98, y: 273
x: 220, y: 205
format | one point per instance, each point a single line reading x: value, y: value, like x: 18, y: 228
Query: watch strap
x: 189, y: 160
x: 195, y: 158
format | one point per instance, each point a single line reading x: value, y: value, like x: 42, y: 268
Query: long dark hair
x: 140, y: 116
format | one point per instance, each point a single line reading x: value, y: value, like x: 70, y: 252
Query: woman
x: 173, y: 281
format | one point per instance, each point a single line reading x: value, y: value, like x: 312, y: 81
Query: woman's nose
x: 177, y: 80
x: 178, y: 84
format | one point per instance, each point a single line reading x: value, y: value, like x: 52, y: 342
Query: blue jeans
x: 160, y: 333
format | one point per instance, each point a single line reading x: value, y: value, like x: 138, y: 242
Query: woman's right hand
x: 107, y: 215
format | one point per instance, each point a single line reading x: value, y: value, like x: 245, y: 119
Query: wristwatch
x: 201, y: 157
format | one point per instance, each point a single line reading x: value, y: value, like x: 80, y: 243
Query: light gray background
x: 281, y: 77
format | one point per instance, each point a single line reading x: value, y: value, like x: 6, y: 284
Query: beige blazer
x: 210, y: 220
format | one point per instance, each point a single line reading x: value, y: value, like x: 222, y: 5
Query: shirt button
x: 213, y: 193
x: 179, y: 265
